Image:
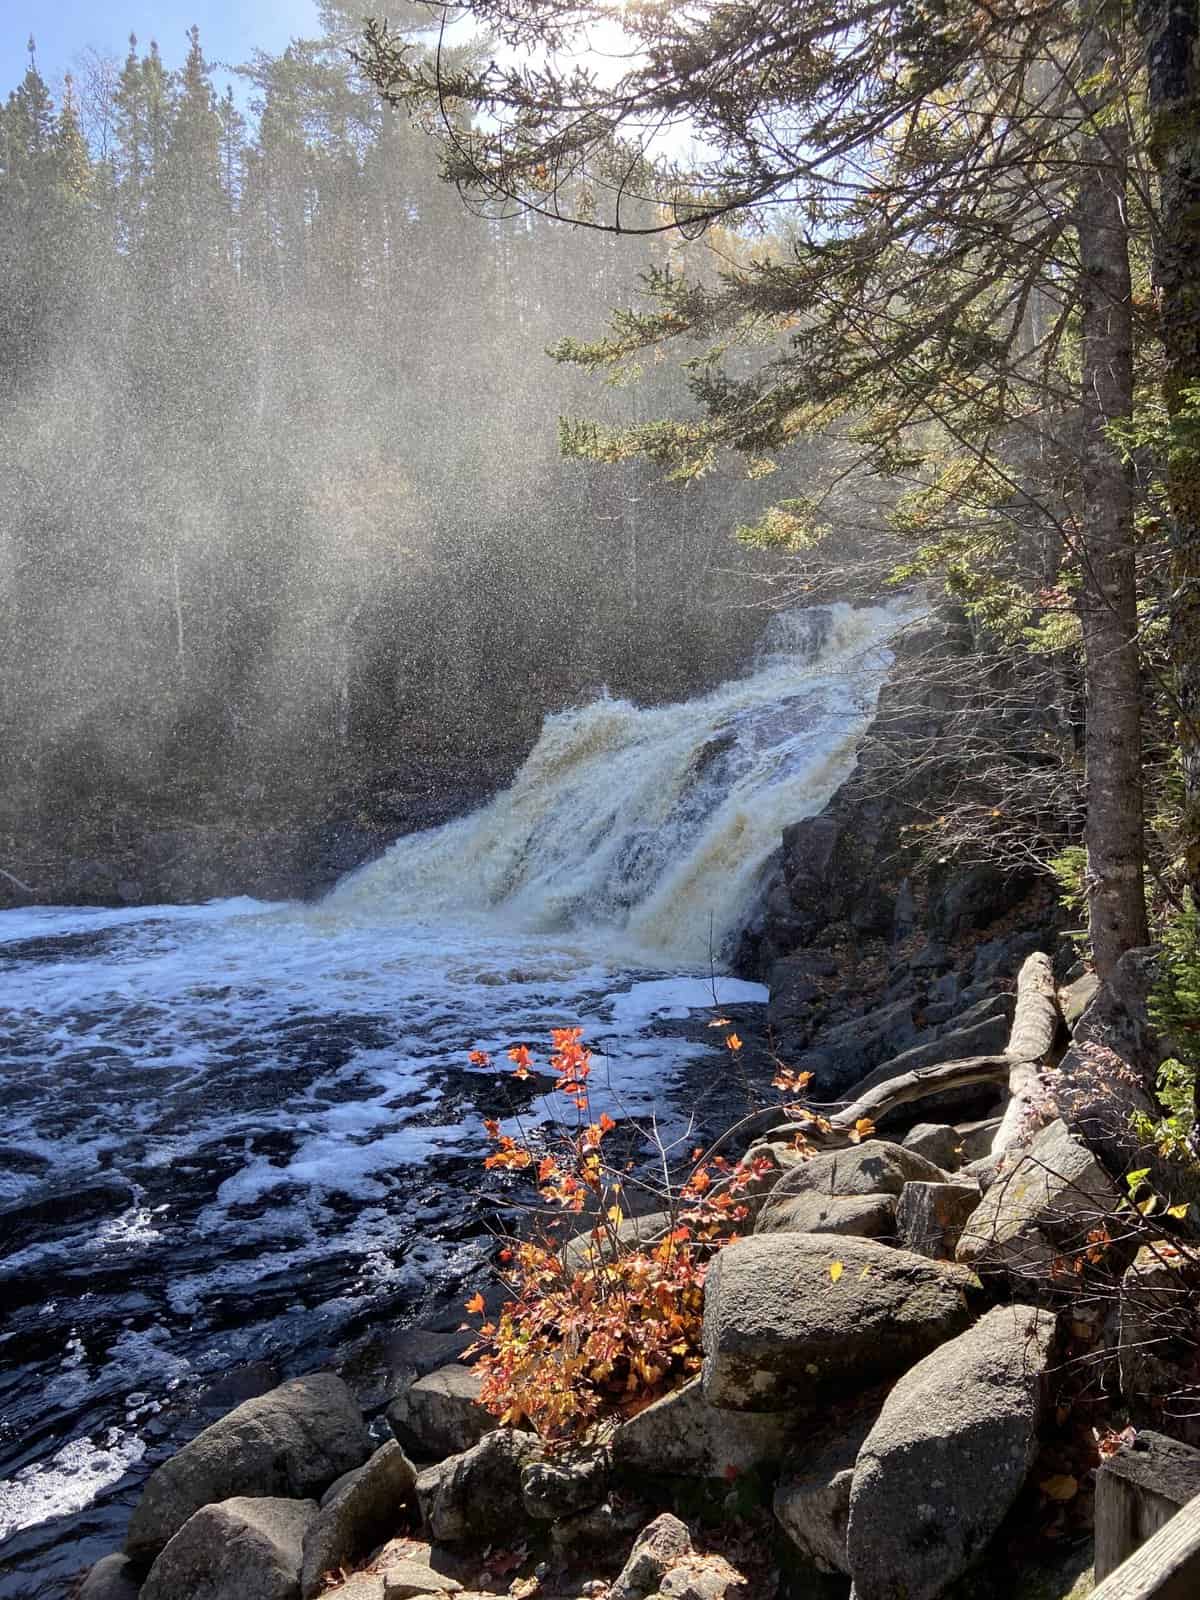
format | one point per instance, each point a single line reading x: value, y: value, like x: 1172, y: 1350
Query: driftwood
x: 1030, y: 1041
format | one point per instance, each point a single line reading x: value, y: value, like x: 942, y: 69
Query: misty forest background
x: 283, y: 514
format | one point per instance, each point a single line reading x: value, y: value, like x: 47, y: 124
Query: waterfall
x: 647, y: 827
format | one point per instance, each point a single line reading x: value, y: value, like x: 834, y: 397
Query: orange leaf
x: 479, y: 1058
x: 1061, y: 1487
x: 733, y: 1042
x: 475, y: 1303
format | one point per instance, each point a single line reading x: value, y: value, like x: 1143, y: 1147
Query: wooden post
x: 1166, y: 1568
x: 1139, y: 1491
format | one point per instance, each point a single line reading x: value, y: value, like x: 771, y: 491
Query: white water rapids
x: 235, y: 1132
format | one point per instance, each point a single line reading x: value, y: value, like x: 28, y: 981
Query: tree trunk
x: 1107, y: 600
x: 1170, y: 32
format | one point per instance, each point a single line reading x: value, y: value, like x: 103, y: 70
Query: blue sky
x: 228, y: 31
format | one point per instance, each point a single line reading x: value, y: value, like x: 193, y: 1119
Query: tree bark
x: 1108, y: 594
x: 1170, y: 31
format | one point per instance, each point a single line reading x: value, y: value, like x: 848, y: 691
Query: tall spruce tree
x: 956, y: 265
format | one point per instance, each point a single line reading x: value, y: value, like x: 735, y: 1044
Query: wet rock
x: 931, y: 1216
x: 440, y: 1414
x: 351, y: 1522
x: 682, y: 1435
x: 865, y: 1216
x: 112, y: 1578
x: 293, y: 1441
x: 239, y: 1549
x: 659, y: 1547
x: 812, y: 1499
x: 787, y: 1316
x: 478, y: 1494
x: 1040, y: 1210
x: 562, y: 1487
x: 947, y: 1457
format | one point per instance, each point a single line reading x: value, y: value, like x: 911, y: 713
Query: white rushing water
x: 250, y: 1110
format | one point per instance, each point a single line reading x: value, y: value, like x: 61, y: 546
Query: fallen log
x: 1030, y: 1042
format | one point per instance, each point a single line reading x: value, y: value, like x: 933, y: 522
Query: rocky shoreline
x: 888, y: 1386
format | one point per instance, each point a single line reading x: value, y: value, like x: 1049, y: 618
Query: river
x: 242, y: 1133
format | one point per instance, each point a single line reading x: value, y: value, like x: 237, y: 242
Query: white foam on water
x: 69, y: 1481
x: 304, y: 1062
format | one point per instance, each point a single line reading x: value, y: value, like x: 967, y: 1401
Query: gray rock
x: 112, y: 1578
x: 564, y: 1486
x: 359, y: 1516
x: 478, y: 1494
x: 293, y: 1441
x: 440, y: 1414
x: 852, y: 1048
x: 976, y: 1138
x: 938, y: 1142
x: 812, y: 1499
x: 930, y: 1217
x: 1040, y: 1210
x: 658, y: 1548
x: 405, y: 1580
x: 947, y: 1457
x: 974, y: 897
x: 781, y: 1328
x: 703, y: 1578
x: 682, y: 1435
x: 361, y: 1586
x: 871, y: 1168
x: 596, y: 1532
x: 630, y: 1232
x: 239, y: 1549
x: 865, y: 1216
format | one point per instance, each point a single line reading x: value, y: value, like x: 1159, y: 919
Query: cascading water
x: 240, y: 1132
x: 647, y: 828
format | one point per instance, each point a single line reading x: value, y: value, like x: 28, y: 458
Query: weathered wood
x: 918, y: 1084
x: 1167, y: 1567
x: 1030, y: 1039
x: 1138, y: 1491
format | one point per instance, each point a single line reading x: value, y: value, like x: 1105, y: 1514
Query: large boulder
x: 812, y: 1498
x: 440, y: 1414
x: 477, y: 1495
x: 354, y: 1519
x: 239, y: 1549
x: 293, y: 1441
x: 682, y: 1435
x: 874, y: 1167
x: 1040, y: 1212
x: 564, y: 1486
x: 787, y: 1316
x: 865, y: 1216
x: 947, y: 1457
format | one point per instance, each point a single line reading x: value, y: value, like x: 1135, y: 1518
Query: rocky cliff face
x: 856, y: 924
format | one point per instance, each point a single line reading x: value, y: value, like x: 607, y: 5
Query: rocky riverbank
x: 907, y: 1363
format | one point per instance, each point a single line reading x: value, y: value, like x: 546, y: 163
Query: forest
x: 283, y: 511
